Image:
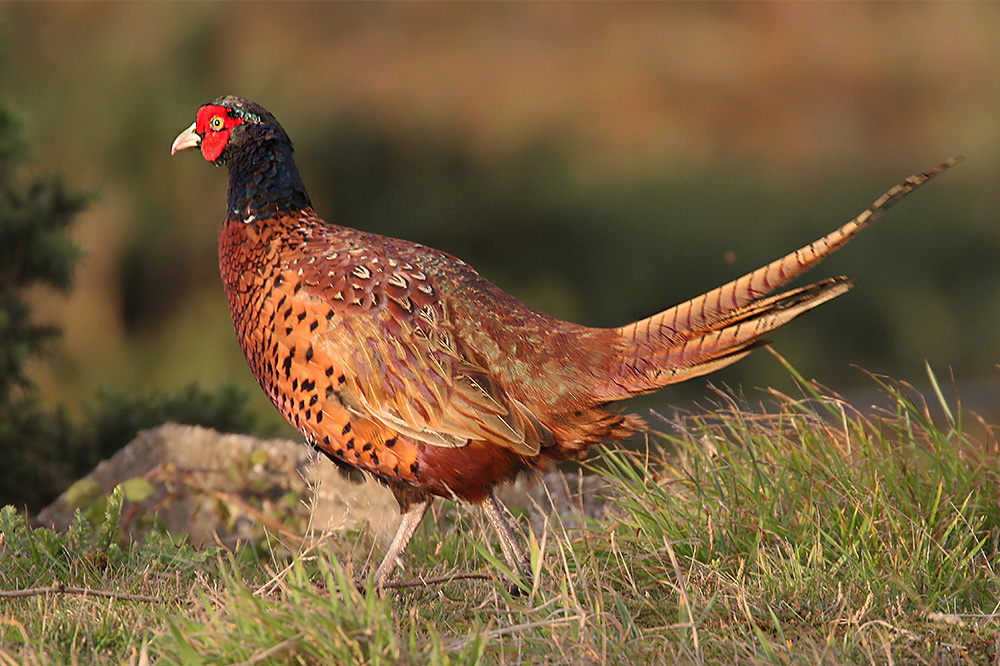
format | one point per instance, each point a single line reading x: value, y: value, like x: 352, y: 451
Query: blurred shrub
x: 113, y: 419
x: 35, y: 249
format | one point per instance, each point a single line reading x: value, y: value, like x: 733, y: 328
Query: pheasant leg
x: 413, y: 504
x: 513, y: 554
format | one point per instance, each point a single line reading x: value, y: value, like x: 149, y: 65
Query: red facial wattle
x: 214, y: 124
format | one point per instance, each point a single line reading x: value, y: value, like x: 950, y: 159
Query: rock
x: 224, y: 489
x: 574, y: 498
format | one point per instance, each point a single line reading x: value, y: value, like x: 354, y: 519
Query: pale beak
x: 186, y: 139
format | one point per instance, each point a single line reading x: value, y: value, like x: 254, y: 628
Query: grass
x: 809, y: 533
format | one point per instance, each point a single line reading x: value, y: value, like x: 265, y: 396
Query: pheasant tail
x: 723, y: 325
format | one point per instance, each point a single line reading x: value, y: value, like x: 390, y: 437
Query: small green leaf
x: 137, y: 489
x: 83, y: 493
x: 258, y: 457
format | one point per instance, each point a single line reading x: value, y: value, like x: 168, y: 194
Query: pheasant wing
x: 389, y: 328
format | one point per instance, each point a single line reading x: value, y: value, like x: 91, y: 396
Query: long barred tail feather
x: 721, y: 326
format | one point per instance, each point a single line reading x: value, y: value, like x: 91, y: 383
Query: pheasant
x: 402, y: 361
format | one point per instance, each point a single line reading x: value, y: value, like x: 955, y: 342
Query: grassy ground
x: 807, y: 535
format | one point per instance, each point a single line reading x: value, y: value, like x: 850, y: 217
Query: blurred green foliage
x: 35, y: 249
x: 113, y: 418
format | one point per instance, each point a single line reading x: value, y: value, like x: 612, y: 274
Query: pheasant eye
x: 216, y: 123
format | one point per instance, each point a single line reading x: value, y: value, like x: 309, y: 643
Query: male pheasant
x: 402, y: 361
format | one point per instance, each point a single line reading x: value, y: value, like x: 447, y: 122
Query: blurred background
x: 600, y: 161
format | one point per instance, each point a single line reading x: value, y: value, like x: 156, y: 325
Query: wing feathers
x: 402, y: 366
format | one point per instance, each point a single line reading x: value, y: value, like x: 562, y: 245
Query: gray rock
x: 224, y: 489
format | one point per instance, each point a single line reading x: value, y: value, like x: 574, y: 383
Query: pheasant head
x: 242, y: 135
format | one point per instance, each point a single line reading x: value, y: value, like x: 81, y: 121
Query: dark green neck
x: 263, y: 179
